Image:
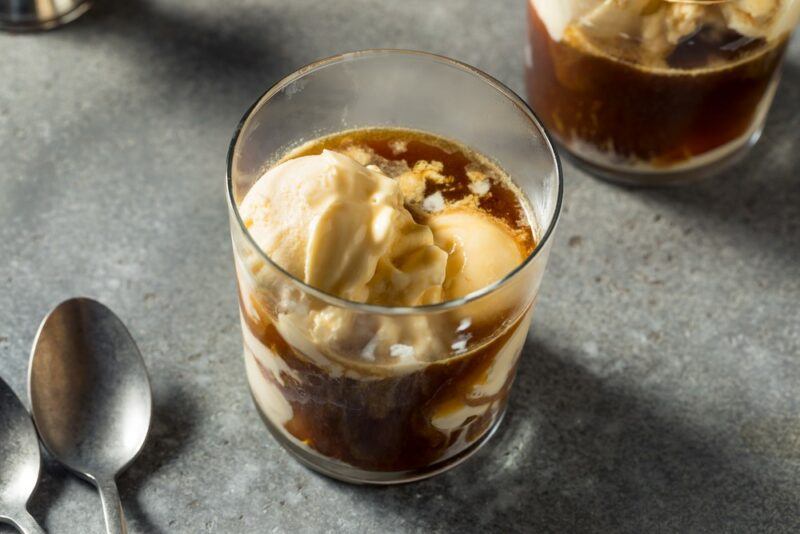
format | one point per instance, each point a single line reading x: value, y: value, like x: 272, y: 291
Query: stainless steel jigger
x: 29, y: 15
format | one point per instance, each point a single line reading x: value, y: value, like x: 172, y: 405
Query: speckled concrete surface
x: 659, y: 387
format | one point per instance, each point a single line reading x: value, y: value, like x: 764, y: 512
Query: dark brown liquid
x: 657, y: 116
x: 384, y: 421
x: 383, y: 424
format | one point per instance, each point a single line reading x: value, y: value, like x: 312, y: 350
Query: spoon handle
x: 24, y: 522
x: 112, y: 506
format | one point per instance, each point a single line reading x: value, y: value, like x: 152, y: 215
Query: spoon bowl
x: 90, y: 396
x: 20, y: 461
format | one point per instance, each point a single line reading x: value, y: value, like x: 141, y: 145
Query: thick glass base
x: 635, y: 176
x: 29, y: 15
x: 347, y: 473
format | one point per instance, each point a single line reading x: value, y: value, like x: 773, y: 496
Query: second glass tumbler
x: 656, y: 91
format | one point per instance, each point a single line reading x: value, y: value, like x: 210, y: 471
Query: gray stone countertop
x: 659, y: 390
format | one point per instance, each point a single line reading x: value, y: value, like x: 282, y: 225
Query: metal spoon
x: 90, y: 396
x: 19, y: 462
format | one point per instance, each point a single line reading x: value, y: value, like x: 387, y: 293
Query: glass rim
x: 498, y: 86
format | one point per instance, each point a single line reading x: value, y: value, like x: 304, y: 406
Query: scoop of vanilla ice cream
x: 762, y: 18
x: 342, y: 228
x: 656, y: 24
x: 611, y: 18
x: 479, y: 250
x: 659, y: 25
x: 557, y: 15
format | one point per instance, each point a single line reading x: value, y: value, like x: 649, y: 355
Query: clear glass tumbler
x: 319, y: 390
x: 652, y: 92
